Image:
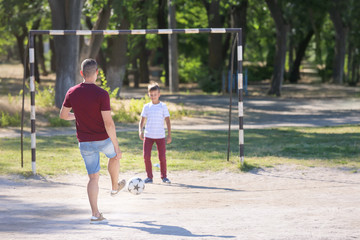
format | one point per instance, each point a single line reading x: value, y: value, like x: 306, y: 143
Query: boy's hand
x: 168, y: 139
x: 141, y: 135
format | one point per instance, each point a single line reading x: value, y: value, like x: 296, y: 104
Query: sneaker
x: 121, y: 185
x: 148, y: 180
x: 98, y: 220
x: 166, y: 180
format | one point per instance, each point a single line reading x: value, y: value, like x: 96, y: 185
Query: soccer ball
x: 135, y: 185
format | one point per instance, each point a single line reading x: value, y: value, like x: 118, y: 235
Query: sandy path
x: 280, y: 203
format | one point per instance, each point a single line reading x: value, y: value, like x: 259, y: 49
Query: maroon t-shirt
x: 87, y: 102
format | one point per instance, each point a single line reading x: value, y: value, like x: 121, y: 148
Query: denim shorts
x: 90, y: 151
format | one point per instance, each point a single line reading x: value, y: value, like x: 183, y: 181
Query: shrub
x: 136, y: 105
x: 259, y: 73
x: 45, y: 97
x: 210, y: 82
x: 132, y: 113
x: 190, y: 69
x: 8, y: 120
x: 123, y: 116
x: 112, y: 94
x: 58, y: 122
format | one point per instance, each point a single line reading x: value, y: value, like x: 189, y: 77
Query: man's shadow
x: 153, y: 228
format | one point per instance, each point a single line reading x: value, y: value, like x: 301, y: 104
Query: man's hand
x: 66, y: 114
x: 118, y: 155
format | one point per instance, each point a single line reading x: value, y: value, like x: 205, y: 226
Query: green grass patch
x: 199, y: 150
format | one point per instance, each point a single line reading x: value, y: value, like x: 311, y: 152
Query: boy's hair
x: 89, y: 67
x: 153, y: 86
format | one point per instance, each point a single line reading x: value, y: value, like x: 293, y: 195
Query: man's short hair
x: 153, y: 86
x: 88, y: 67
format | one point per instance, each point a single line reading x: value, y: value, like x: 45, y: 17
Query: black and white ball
x: 135, y: 185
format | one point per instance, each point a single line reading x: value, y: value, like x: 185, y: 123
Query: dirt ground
x: 285, y: 202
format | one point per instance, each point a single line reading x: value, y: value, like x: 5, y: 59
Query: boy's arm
x: 111, y: 131
x: 66, y: 114
x: 141, y: 127
x: 168, y: 125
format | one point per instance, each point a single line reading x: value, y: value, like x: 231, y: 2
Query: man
x: 95, y: 132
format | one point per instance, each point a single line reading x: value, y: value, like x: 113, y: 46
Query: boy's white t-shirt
x: 155, y: 115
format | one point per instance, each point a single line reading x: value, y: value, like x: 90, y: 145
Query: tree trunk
x: 36, y: 65
x: 53, y: 55
x: 216, y: 57
x: 103, y: 17
x: 238, y: 19
x: 65, y: 15
x: 340, y: 44
x: 215, y: 40
x: 136, y: 73
x: 300, y: 53
x: 291, y: 56
x: 40, y: 54
x: 143, y: 55
x: 162, y: 24
x: 349, y: 63
x: 101, y: 60
x: 173, y: 49
x: 282, y: 29
x: 116, y: 67
x: 20, y: 43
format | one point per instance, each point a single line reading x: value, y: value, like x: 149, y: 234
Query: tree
x: 17, y: 15
x: 336, y: 11
x: 162, y: 24
x: 300, y: 53
x: 91, y: 49
x: 216, y: 60
x: 306, y: 20
x: 238, y: 19
x: 282, y: 29
x: 117, y: 48
x: 353, y: 46
x: 65, y: 15
x: 261, y: 30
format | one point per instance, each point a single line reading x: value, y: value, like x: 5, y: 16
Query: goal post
x: 32, y: 33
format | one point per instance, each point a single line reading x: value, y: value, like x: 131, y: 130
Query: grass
x: 199, y: 150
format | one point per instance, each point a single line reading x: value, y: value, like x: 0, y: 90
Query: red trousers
x: 161, y: 147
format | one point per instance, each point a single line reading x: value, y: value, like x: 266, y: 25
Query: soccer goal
x: 32, y: 33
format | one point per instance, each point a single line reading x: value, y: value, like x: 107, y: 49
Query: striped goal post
x: 32, y: 33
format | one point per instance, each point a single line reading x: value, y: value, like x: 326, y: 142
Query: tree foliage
x: 323, y: 33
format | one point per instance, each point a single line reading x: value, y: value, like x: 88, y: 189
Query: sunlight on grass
x: 199, y: 151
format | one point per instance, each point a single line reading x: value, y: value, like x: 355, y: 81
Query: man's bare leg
x: 113, y: 168
x: 93, y: 192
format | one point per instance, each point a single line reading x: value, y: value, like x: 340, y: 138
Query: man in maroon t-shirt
x: 95, y: 130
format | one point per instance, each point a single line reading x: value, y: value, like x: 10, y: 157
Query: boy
x: 95, y: 131
x: 155, y: 112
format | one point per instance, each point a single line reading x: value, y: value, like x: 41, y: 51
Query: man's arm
x: 111, y: 131
x: 168, y: 125
x: 66, y: 114
x: 141, y: 127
